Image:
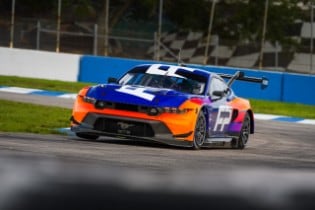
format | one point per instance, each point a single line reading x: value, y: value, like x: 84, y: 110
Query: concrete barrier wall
x: 98, y: 69
x: 299, y: 88
x: 39, y: 64
x: 287, y: 87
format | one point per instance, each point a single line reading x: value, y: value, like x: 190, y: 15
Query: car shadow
x: 143, y: 143
x: 131, y: 142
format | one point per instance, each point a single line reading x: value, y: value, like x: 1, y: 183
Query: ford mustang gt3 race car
x: 170, y: 104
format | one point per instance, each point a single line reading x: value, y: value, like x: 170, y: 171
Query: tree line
x: 233, y: 19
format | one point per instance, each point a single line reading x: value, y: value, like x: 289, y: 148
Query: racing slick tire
x: 242, y: 140
x: 86, y: 136
x: 200, y: 131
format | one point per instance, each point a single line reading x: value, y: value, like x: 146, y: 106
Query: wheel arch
x: 202, y: 130
x: 206, y: 113
x: 252, y: 123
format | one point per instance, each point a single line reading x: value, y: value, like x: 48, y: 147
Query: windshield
x: 178, y: 82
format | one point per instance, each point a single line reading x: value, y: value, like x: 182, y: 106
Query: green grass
x: 54, y: 85
x: 24, y: 117
x: 30, y: 118
x: 286, y: 109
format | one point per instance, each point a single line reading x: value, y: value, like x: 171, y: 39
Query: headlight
x: 153, y: 111
x: 100, y: 105
x: 176, y: 110
x: 89, y: 100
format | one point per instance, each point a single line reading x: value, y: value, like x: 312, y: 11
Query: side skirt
x: 218, y: 142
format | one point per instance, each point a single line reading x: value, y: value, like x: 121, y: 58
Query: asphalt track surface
x: 275, y: 171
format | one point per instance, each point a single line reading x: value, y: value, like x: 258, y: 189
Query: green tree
x: 234, y: 19
x: 80, y: 10
x: 239, y: 20
x: 243, y: 20
x: 33, y: 8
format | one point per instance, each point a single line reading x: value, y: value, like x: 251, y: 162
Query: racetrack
x: 275, y: 171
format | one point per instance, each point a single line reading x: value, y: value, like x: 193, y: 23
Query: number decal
x: 136, y: 91
x: 223, y: 118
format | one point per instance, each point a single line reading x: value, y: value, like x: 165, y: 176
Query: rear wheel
x: 200, y: 131
x: 241, y: 142
x: 87, y: 136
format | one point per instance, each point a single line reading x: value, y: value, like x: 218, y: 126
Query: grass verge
x: 286, y: 109
x: 54, y: 85
x: 30, y: 118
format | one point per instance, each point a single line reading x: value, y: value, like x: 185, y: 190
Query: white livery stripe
x: 136, y: 91
x: 154, y: 69
x: 171, y: 71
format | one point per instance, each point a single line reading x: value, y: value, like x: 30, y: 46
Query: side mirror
x: 112, y: 80
x: 218, y: 93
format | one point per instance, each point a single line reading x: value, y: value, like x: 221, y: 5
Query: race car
x: 169, y: 104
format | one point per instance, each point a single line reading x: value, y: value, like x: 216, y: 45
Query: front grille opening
x: 120, y: 106
x: 127, y: 107
x: 124, y: 127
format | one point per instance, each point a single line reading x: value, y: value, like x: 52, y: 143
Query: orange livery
x: 170, y: 104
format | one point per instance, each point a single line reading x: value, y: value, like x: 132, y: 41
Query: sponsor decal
x: 223, y: 118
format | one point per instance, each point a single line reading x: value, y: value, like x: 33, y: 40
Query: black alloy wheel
x: 200, y: 131
x: 244, y: 134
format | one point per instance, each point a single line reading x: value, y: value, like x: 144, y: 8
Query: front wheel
x: 242, y: 140
x: 200, y: 131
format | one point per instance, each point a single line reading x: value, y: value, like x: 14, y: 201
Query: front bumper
x: 131, y: 128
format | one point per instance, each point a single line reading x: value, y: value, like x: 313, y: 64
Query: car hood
x: 138, y: 95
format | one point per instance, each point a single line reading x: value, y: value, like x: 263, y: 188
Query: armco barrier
x: 285, y: 87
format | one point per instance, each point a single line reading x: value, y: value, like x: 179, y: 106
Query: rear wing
x: 241, y: 76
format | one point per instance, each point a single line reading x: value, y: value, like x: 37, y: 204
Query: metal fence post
x: 155, y: 46
x: 58, y: 27
x: 106, y: 28
x: 311, y: 44
x: 12, y: 24
x: 211, y: 16
x: 95, y: 39
x: 38, y: 36
x: 263, y: 35
x: 217, y: 39
x: 159, y: 33
x: 277, y: 54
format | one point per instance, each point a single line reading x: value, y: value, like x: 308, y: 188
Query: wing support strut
x: 239, y: 75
